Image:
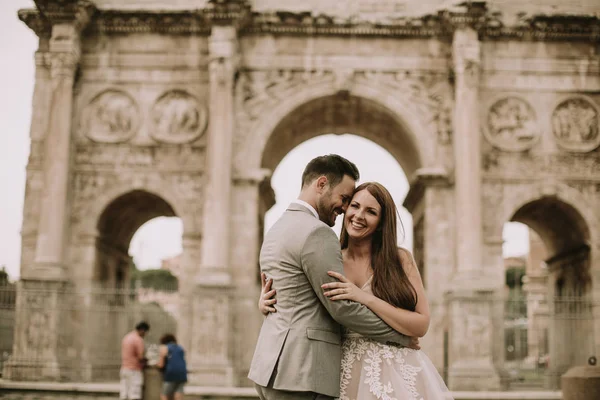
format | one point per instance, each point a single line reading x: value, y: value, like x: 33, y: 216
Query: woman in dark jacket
x: 172, y: 362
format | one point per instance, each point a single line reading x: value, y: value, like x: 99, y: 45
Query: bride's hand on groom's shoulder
x: 344, y: 289
x: 266, y: 300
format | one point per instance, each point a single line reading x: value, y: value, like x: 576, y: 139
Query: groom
x: 298, y: 353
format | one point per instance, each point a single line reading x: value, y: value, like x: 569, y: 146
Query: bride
x: 387, y: 281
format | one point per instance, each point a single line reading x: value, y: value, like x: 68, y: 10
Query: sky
x: 161, y: 238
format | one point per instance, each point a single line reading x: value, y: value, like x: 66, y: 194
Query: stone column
x: 41, y: 331
x: 471, y: 313
x: 467, y: 155
x: 430, y: 202
x: 251, y: 196
x: 211, y: 308
x: 63, y: 59
x: 217, y: 194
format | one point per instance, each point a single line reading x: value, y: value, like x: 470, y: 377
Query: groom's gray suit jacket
x: 299, y: 346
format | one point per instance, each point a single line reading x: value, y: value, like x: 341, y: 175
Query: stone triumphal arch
x: 147, y: 108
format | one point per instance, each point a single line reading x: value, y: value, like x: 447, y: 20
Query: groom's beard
x: 327, y: 211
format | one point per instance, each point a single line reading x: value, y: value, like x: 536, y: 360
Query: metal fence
x: 542, y: 336
x: 78, y: 329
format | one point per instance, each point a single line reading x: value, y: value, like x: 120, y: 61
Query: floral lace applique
x: 375, y: 354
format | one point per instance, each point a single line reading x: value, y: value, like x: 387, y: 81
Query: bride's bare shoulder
x: 407, y: 260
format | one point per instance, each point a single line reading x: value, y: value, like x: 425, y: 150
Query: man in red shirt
x: 132, y: 362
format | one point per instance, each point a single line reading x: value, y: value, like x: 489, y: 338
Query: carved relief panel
x: 142, y: 115
x: 177, y: 117
x: 112, y: 116
x: 576, y: 124
x: 510, y: 124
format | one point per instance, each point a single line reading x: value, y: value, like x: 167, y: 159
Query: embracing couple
x: 341, y: 320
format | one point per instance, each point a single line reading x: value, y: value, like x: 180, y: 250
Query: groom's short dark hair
x: 334, y: 167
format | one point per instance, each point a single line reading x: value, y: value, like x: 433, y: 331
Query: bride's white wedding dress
x: 372, y: 370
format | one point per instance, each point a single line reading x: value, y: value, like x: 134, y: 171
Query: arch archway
x: 325, y: 109
x: 558, y: 296
x: 116, y: 226
x: 315, y: 111
x: 117, y: 303
x: 341, y: 114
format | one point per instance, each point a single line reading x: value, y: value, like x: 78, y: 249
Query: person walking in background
x: 171, y: 361
x: 133, y: 362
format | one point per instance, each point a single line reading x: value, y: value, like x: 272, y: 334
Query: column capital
x: 252, y: 177
x: 63, y: 64
x: 423, y: 178
x: 74, y: 12
x: 472, y: 14
x: 36, y: 22
x: 235, y: 13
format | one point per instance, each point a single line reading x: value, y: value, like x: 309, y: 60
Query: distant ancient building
x: 147, y: 108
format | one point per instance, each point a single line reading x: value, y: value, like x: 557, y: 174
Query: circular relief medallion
x: 111, y: 117
x: 177, y: 117
x: 511, y: 124
x: 575, y: 124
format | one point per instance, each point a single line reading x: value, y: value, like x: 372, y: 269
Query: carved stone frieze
x: 576, y: 124
x: 228, y: 12
x: 590, y: 190
x: 428, y: 94
x: 119, y: 22
x: 110, y: 117
x: 178, y: 117
x: 526, y: 165
x: 118, y: 157
x: 511, y: 124
x: 489, y: 24
x: 259, y: 90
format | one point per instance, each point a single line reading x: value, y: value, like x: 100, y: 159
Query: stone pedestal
x: 41, y: 323
x: 209, y: 361
x: 581, y: 383
x: 152, y: 384
x: 471, y: 337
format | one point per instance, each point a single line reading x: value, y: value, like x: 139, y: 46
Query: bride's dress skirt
x: 371, y: 370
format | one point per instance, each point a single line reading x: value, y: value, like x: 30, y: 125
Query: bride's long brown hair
x: 390, y: 282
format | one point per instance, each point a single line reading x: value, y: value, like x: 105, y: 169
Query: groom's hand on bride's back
x: 414, y: 343
x: 266, y: 301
